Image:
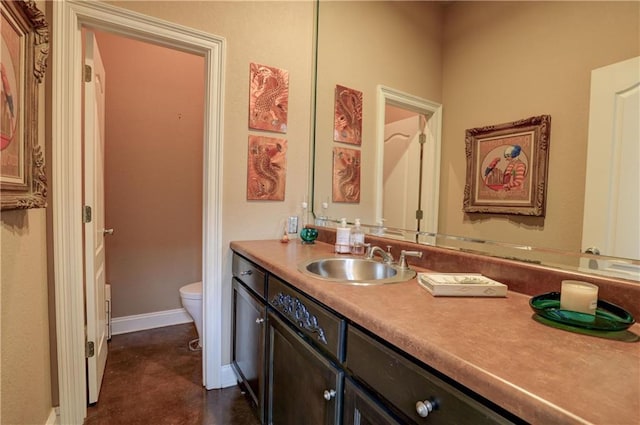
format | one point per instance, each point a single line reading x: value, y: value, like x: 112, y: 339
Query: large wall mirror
x: 483, y: 63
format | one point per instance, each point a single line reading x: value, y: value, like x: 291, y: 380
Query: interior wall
x: 24, y: 333
x: 273, y: 33
x: 153, y: 173
x: 25, y: 371
x: 539, y: 63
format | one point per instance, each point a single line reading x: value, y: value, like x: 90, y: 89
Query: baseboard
x: 140, y: 322
x: 228, y: 376
x: 53, y: 417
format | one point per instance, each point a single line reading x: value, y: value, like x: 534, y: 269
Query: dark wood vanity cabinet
x: 300, y: 363
x: 249, y: 331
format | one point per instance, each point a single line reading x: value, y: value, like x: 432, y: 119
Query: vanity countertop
x: 490, y: 345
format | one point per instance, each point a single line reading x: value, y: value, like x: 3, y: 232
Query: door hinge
x: 419, y: 214
x: 87, y: 74
x: 86, y: 214
x: 90, y: 349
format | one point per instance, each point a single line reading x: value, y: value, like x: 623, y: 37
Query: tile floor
x: 152, y: 378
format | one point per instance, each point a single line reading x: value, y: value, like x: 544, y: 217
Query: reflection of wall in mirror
x: 492, y: 62
x: 370, y: 28
x: 490, y: 77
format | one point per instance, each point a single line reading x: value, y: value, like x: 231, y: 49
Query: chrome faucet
x: 387, y: 258
x: 402, y: 262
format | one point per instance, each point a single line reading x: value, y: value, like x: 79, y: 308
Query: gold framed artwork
x: 268, y: 98
x: 507, y: 167
x: 266, y: 168
x: 346, y: 175
x: 347, y: 121
x: 25, y: 47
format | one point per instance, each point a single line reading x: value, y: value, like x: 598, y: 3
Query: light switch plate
x: 292, y: 224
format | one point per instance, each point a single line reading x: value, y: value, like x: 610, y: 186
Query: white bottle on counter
x: 343, y: 233
x: 357, y: 239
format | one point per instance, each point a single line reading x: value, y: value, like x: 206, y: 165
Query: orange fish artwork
x: 268, y: 98
x: 266, y: 168
x: 346, y: 175
x: 347, y: 123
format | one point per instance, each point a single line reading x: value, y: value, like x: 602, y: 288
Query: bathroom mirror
x: 486, y: 63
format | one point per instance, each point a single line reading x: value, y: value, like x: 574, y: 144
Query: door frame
x: 69, y: 16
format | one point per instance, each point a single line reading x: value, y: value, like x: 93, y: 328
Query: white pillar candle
x: 579, y: 296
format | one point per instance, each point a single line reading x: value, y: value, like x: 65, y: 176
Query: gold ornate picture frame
x: 25, y: 47
x: 507, y: 167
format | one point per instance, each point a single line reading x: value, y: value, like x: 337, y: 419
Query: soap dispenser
x: 357, y: 239
x: 343, y: 237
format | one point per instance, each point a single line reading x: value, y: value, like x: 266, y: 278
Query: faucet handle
x: 368, y: 254
x: 402, y: 262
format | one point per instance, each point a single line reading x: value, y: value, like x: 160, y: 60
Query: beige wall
x: 25, y: 371
x: 25, y: 384
x: 505, y: 61
x: 153, y: 173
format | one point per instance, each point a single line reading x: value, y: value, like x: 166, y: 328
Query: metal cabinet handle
x: 329, y: 394
x: 423, y: 408
x: 259, y: 320
x: 246, y: 273
x: 108, y: 231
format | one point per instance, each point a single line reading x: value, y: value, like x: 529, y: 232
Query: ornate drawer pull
x: 299, y: 314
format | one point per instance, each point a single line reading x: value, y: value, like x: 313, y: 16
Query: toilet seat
x: 192, y: 291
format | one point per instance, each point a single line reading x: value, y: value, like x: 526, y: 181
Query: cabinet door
x: 361, y: 409
x: 249, y: 331
x: 304, y: 387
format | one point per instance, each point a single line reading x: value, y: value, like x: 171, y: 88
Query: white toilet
x: 191, y: 296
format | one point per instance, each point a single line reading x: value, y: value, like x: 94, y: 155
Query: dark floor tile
x: 153, y: 378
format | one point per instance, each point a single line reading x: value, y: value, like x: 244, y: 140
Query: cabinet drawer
x: 322, y: 327
x: 250, y: 274
x: 403, y: 383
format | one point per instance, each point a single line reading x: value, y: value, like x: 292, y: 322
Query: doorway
x: 68, y: 18
x: 153, y: 179
x: 425, y: 178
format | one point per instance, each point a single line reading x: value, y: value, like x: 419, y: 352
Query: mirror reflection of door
x: 611, y: 222
x: 402, y: 168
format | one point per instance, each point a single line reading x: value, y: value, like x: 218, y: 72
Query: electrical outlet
x: 292, y: 224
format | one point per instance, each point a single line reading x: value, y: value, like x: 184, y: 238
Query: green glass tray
x: 608, y: 317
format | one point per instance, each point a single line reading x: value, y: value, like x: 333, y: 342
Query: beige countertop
x: 490, y: 345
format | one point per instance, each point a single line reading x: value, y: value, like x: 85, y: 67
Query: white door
x: 612, y: 199
x: 94, y: 231
x: 400, y: 173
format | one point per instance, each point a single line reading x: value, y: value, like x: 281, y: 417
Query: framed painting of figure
x: 507, y: 167
x: 24, y: 38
